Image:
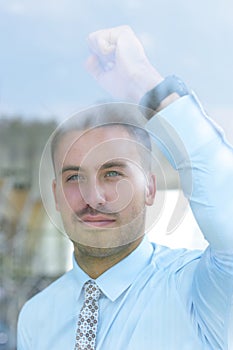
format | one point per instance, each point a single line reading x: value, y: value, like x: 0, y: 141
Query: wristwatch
x: 153, y: 98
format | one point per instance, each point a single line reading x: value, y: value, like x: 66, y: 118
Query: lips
x: 97, y: 220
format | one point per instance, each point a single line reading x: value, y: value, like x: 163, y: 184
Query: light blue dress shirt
x: 158, y: 298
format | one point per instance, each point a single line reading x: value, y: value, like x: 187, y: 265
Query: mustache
x: 92, y: 211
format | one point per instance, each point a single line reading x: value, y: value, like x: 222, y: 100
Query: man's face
x: 101, y: 188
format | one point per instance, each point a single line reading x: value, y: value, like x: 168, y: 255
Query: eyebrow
x: 107, y: 165
x: 70, y: 168
x: 113, y: 164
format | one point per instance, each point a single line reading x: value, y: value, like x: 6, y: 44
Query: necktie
x: 88, y: 318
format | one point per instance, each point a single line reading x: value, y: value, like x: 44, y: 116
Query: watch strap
x: 171, y: 84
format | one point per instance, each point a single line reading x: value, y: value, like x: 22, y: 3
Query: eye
x: 113, y: 173
x: 75, y: 178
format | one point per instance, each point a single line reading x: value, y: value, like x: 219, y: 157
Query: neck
x: 95, y: 261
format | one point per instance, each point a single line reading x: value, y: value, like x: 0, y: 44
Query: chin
x: 100, y: 252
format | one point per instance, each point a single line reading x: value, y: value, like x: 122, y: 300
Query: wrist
x: 144, y: 80
x: 160, y: 96
x: 167, y: 101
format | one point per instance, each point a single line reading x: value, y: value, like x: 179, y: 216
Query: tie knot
x: 92, y: 291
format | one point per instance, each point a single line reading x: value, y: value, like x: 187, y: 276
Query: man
x: 140, y: 295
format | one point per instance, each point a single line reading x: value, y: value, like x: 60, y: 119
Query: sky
x: 44, y: 48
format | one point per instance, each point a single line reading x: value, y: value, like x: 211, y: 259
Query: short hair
x: 113, y: 114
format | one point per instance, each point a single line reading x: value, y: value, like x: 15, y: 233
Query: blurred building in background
x: 32, y: 252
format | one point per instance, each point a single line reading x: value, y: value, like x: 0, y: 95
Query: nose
x: 93, y: 194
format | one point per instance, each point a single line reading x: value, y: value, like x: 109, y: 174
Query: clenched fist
x: 119, y: 64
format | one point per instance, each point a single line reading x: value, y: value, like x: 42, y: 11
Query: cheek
x: 133, y: 197
x: 118, y: 194
x: 139, y: 198
x: 140, y: 186
x: 69, y: 196
x: 110, y: 190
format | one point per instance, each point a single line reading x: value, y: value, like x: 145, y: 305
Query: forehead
x: 95, y: 146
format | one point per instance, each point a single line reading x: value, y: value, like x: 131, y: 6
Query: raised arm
x: 119, y: 64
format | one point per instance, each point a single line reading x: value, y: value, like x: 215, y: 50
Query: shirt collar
x: 118, y: 278
x: 80, y: 277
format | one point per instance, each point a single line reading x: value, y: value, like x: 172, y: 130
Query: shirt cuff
x: 181, y: 129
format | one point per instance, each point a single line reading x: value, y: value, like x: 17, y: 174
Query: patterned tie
x: 88, y: 318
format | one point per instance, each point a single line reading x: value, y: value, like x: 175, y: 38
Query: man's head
x: 103, y: 179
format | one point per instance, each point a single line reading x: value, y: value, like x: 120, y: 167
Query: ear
x: 54, y: 187
x: 150, y: 189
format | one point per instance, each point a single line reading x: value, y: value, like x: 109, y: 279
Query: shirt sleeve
x: 197, y: 148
